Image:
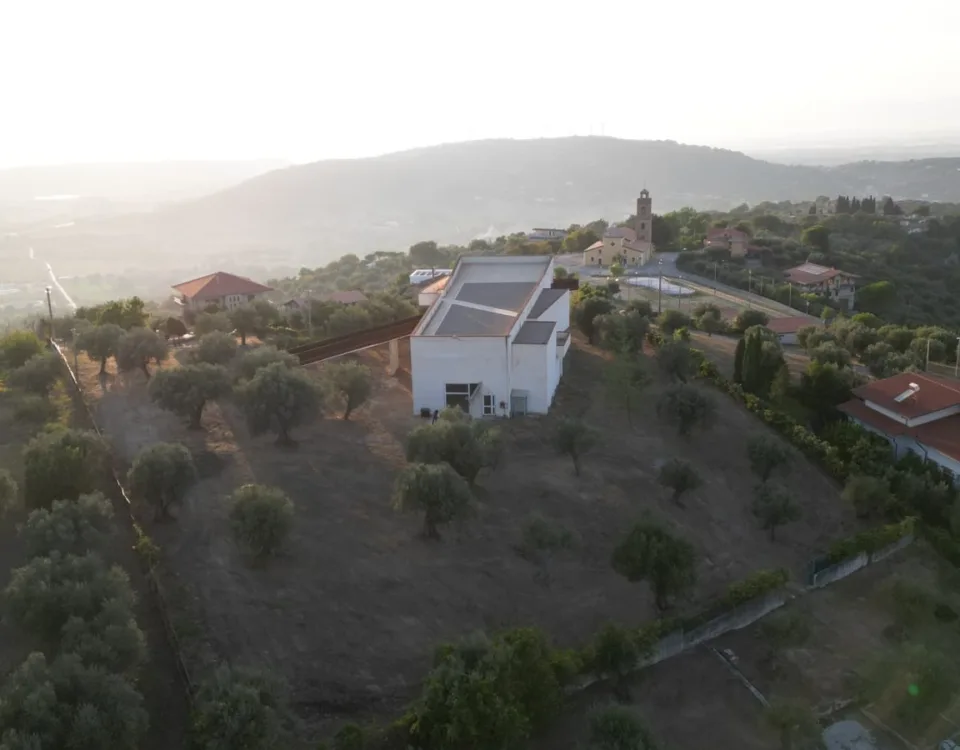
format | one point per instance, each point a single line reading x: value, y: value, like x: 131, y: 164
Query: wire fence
x: 149, y: 567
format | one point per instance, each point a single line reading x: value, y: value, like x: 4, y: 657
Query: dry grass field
x: 350, y: 614
x: 158, y: 681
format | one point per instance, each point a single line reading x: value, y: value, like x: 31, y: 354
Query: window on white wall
x: 458, y: 394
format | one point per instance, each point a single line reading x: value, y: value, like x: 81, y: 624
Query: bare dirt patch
x: 351, y: 613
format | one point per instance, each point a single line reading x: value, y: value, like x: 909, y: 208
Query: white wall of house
x: 903, y: 444
x: 788, y: 339
x: 439, y: 360
x: 914, y: 421
x: 530, y: 373
x: 943, y: 460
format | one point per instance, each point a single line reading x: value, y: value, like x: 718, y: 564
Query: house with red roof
x: 812, y: 278
x: 786, y: 328
x: 915, y: 411
x: 225, y: 290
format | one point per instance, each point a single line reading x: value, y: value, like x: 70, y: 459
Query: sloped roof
x: 535, y: 332
x: 941, y: 434
x: 935, y: 393
x: 789, y: 325
x: 545, y: 301
x: 595, y: 246
x: 627, y: 233
x: 812, y: 273
x: 437, y: 286
x: 219, y: 284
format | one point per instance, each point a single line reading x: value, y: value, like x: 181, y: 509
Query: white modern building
x: 494, y: 340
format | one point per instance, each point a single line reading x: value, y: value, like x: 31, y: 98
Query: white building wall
x: 554, y: 367
x: 530, y: 374
x: 951, y: 464
x: 438, y: 360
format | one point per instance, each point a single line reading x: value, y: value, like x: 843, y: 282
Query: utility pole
x: 309, y: 314
x: 76, y: 363
x: 749, y: 287
x: 660, y: 288
x: 927, y: 365
x: 956, y: 363
x: 50, y: 310
x: 790, y: 299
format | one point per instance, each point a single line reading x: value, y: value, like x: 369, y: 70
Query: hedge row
x: 869, y: 541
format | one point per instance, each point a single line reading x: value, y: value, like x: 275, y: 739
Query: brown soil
x: 351, y: 613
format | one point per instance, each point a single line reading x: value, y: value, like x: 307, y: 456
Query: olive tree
x: 216, y: 348
x: 614, y: 653
x: 17, y: 347
x: 869, y: 496
x: 686, y: 407
x: 670, y: 321
x: 467, y: 445
x: 617, y: 727
x: 48, y: 591
x: 246, y: 321
x: 62, y: 465
x: 100, y: 343
x: 186, y: 390
x: 774, y: 506
x: 38, y: 374
x: 68, y: 704
x: 110, y: 639
x: 207, y: 322
x: 279, y: 398
x: 675, y: 359
x: 651, y: 553
x: 69, y: 527
x: 261, y: 519
x: 237, y: 709
x: 680, y: 476
x: 138, y: 348
x: 161, y: 476
x: 247, y: 364
x: 574, y: 437
x: 353, y: 381
x: 767, y: 455
x: 9, y: 494
x: 435, y: 490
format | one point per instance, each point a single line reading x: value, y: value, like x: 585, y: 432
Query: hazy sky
x: 92, y: 80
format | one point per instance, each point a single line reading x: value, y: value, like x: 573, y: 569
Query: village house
x: 725, y: 238
x: 539, y: 234
x: 628, y: 246
x: 786, y: 328
x: 494, y: 340
x: 914, y: 411
x: 811, y: 278
x: 225, y: 290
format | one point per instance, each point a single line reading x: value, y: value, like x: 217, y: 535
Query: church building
x: 628, y: 246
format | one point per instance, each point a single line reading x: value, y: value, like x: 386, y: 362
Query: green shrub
x: 111, y: 639
x: 488, y: 695
x: 755, y: 586
x: 9, y: 494
x: 261, y: 519
x: 248, y: 363
x: 28, y: 407
x: 44, y: 594
x: 237, y: 709
x: 541, y: 536
x: 618, y: 728
x: 436, y: 490
x: 38, y: 374
x: 870, y: 541
x: 18, y: 347
x: 68, y: 704
x: 62, y: 465
x: 69, y: 527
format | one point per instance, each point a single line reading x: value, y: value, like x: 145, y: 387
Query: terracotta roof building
x: 223, y: 289
x: 828, y: 282
x: 915, y: 411
x: 786, y: 328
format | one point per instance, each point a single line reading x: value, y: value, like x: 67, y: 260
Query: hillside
x: 310, y: 214
x: 456, y: 191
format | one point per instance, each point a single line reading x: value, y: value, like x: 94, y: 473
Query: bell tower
x: 644, y: 217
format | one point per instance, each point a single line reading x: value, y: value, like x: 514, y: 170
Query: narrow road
x: 56, y: 282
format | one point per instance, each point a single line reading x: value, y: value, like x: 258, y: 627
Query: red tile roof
x: 936, y: 393
x: 790, y: 325
x: 942, y: 434
x: 220, y: 284
x: 811, y: 273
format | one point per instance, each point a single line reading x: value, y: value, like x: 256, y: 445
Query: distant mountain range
x: 312, y: 213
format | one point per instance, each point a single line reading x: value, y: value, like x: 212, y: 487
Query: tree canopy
x: 279, y: 398
x: 186, y: 390
x: 436, y: 490
x: 161, y: 476
x: 651, y: 553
